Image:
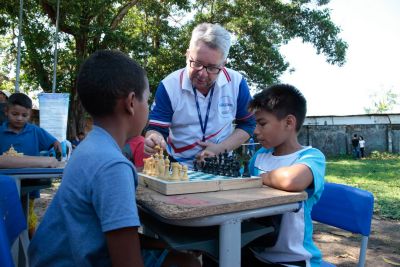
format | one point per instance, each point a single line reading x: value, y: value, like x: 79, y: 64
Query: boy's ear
x: 291, y: 121
x: 130, y: 102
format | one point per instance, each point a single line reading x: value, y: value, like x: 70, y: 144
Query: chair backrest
x: 345, y: 207
x: 12, y: 219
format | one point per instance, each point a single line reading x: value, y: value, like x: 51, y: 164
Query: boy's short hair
x: 20, y: 99
x: 281, y: 100
x: 106, y: 76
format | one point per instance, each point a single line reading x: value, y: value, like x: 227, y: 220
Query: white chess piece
x: 175, y: 171
x: 167, y: 175
x: 185, y: 176
x: 161, y: 169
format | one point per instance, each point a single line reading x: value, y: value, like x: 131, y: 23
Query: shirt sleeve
x: 252, y: 167
x: 139, y: 155
x: 161, y: 112
x: 46, y: 140
x: 113, y: 196
x: 315, y: 160
x: 244, y: 119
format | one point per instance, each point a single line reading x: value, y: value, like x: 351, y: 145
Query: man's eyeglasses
x: 198, y: 66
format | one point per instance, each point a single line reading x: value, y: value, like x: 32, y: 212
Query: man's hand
x: 204, y: 154
x: 152, y: 140
x: 211, y: 147
x: 209, y: 150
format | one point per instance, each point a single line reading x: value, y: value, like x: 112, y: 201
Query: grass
x: 378, y: 174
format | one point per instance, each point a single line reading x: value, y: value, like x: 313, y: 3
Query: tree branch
x: 122, y: 13
x: 52, y: 14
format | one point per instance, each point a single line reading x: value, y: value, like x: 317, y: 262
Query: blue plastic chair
x: 12, y: 220
x: 347, y: 208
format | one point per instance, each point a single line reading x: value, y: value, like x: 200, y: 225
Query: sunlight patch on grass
x: 379, y: 176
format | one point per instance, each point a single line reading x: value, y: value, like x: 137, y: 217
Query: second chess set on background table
x: 215, y: 174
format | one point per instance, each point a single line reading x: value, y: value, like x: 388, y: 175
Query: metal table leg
x: 230, y: 243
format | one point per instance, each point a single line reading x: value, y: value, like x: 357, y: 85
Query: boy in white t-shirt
x: 285, y: 164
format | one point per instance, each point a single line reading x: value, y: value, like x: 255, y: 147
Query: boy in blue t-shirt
x: 285, y: 164
x: 93, y: 219
x: 25, y: 138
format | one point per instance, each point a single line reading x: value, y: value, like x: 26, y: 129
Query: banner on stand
x: 53, y: 114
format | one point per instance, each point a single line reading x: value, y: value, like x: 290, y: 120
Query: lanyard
x: 203, y: 127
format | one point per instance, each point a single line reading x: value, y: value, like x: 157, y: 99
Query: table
x: 32, y: 174
x: 226, y: 209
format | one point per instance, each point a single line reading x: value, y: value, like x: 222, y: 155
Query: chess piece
x: 156, y: 163
x: 175, y: 171
x: 195, y: 166
x: 185, y: 176
x: 246, y: 172
x: 146, y: 165
x: 159, y: 149
x: 161, y: 168
x: 167, y: 175
x: 180, y: 171
x: 151, y: 170
x: 225, y: 155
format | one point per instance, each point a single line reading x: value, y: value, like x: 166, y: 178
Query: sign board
x: 53, y: 114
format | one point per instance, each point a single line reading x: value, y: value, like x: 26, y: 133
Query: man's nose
x: 203, y: 72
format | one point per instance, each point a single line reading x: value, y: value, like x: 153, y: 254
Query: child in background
x: 93, y: 219
x: 285, y: 164
x: 25, y: 138
x: 134, y: 151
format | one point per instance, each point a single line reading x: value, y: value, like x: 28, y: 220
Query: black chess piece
x: 207, y: 165
x: 246, y: 172
x: 236, y: 169
x: 226, y: 155
x: 202, y: 164
x: 195, y: 166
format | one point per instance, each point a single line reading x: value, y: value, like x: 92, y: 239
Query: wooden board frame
x: 197, y: 186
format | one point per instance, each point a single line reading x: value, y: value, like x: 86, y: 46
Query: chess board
x: 198, y: 182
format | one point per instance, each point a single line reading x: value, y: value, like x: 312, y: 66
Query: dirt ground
x: 338, y: 247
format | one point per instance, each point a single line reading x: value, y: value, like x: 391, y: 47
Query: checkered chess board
x: 198, y: 182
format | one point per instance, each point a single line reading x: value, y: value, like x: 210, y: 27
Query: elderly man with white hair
x: 195, y: 107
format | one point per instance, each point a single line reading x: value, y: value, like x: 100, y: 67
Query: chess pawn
x: 156, y: 164
x: 161, y: 169
x: 175, y: 171
x: 180, y: 171
x: 151, y: 166
x: 146, y: 167
x: 167, y: 175
x: 185, y: 176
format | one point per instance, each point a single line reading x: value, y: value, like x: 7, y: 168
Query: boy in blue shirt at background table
x: 93, y: 219
x: 285, y: 164
x: 25, y: 138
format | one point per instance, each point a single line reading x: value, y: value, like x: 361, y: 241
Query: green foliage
x: 156, y: 34
x: 382, y: 101
x: 378, y: 174
x: 383, y: 155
